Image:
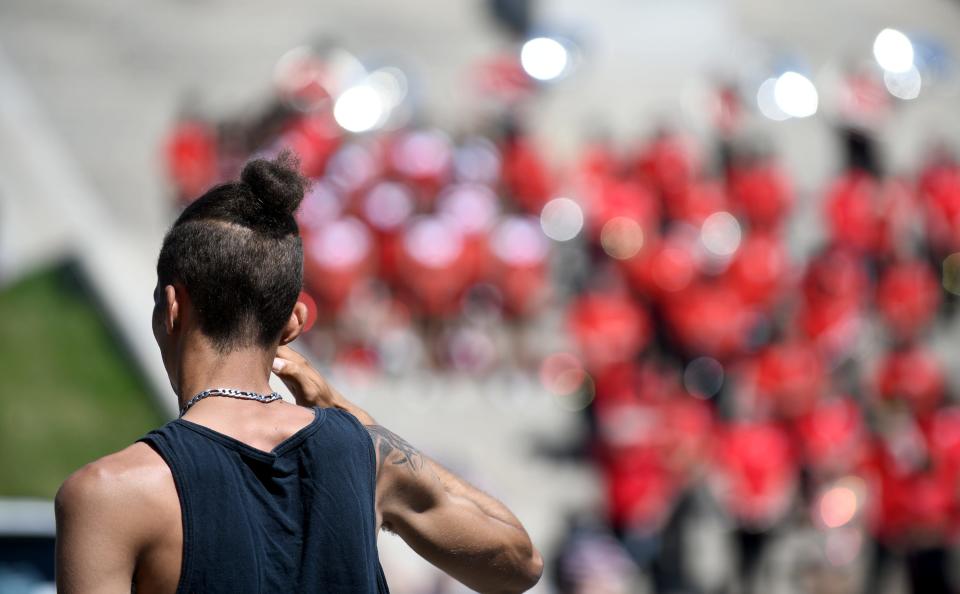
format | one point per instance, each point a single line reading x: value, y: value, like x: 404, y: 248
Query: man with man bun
x: 248, y: 493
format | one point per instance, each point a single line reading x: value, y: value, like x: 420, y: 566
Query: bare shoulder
x: 120, y: 485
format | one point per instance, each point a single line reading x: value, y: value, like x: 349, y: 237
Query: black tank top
x: 297, y: 519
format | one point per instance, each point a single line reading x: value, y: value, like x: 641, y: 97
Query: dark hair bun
x: 276, y: 184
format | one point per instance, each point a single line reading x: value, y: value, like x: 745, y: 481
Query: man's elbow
x: 533, y: 569
x: 529, y: 564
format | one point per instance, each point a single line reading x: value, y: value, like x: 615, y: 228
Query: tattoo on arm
x: 386, y: 442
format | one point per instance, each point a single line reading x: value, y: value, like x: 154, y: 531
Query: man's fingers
x: 308, y: 387
x: 288, y: 354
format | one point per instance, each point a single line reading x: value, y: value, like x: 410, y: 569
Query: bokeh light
x: 300, y: 76
x: 903, y: 85
x: 359, y: 109
x: 951, y: 273
x: 621, y: 238
x: 320, y: 206
x: 720, y: 234
x: 561, y: 219
x: 433, y: 241
x: 703, y: 377
x: 390, y: 84
x: 472, y: 208
x: 767, y: 103
x: 388, y: 205
x: 477, y: 160
x: 352, y: 167
x: 837, y: 506
x: 795, y: 95
x: 519, y: 240
x: 544, y: 58
x: 423, y: 153
x: 893, y: 51
x: 561, y: 373
x: 563, y: 376
x: 341, y: 244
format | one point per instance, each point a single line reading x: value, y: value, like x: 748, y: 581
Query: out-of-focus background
x: 677, y: 281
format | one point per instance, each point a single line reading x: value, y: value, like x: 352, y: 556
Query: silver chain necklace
x: 230, y: 393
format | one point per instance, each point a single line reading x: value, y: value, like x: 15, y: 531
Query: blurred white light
x: 477, y: 160
x: 300, y: 77
x: 518, y: 240
x: 388, y: 205
x: 544, y: 58
x: 561, y: 219
x: 766, y: 102
x: 472, y: 208
x: 903, y: 85
x: 893, y: 51
x: 390, y: 83
x: 795, y: 95
x: 423, y: 153
x: 720, y: 234
x: 352, y: 167
x: 433, y: 242
x: 343, y: 70
x: 359, y: 109
x: 320, y: 206
x: 341, y: 244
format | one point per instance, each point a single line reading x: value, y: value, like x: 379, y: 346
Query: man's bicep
x: 404, y: 478
x: 94, y: 549
x: 416, y: 504
x: 448, y: 522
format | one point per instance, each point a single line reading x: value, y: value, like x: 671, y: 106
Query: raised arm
x: 460, y: 529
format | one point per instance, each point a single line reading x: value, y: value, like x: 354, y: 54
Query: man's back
x: 283, y: 509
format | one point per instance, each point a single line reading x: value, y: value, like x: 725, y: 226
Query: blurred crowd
x: 792, y: 393
x: 655, y: 290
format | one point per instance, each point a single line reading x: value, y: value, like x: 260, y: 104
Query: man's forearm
x: 458, y: 487
x: 452, y: 483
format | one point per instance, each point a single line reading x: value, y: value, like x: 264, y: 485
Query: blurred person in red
x: 651, y: 441
x: 754, y: 476
x: 248, y: 493
x: 787, y: 378
x: 524, y: 173
x: 939, y: 187
x: 191, y: 155
x: 913, y: 468
x: 908, y: 297
x: 836, y: 290
x: 760, y: 192
x: 667, y: 163
x: 914, y: 503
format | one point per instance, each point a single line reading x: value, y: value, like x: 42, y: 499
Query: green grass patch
x: 70, y: 394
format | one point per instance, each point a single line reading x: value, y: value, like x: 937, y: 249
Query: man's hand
x: 309, y: 388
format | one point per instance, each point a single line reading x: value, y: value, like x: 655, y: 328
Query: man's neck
x: 202, y: 368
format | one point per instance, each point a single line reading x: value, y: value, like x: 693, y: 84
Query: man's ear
x: 298, y: 319
x: 171, y: 314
